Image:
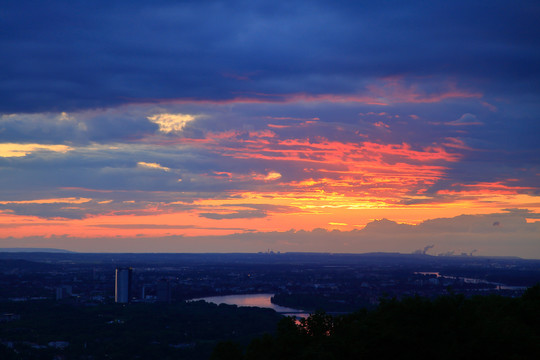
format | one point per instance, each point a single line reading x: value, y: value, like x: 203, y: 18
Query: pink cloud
x: 381, y: 92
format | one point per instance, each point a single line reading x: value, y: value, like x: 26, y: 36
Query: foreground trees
x: 449, y: 327
x: 187, y: 331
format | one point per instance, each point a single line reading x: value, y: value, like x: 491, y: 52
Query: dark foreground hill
x: 449, y: 327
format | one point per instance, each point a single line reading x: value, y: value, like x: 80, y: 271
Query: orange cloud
x: 387, y: 171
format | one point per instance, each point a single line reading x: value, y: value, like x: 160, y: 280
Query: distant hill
x: 367, y: 259
x: 47, y: 250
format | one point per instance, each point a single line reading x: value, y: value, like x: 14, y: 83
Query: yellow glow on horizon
x: 189, y: 223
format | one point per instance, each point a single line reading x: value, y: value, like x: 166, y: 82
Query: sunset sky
x: 246, y: 126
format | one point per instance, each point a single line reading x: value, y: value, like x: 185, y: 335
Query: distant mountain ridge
x: 48, y: 250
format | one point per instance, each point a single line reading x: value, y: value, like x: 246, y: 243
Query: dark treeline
x: 448, y: 327
x: 339, y: 303
x: 184, y: 330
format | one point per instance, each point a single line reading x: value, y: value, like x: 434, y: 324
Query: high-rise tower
x: 122, y: 286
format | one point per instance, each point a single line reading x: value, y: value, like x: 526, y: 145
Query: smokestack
x: 427, y: 248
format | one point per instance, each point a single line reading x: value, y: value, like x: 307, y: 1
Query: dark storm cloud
x: 256, y: 211
x: 48, y: 211
x: 63, y: 209
x: 66, y: 55
x: 80, y: 208
x: 82, y: 128
x: 159, y: 226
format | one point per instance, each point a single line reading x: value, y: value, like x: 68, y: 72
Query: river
x: 467, y: 280
x: 257, y: 300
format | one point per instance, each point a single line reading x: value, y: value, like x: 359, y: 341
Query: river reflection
x: 467, y: 280
x: 258, y: 300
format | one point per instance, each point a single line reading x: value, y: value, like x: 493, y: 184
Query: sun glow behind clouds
x: 293, y: 136
x: 300, y: 174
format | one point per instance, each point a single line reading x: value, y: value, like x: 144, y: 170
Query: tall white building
x: 63, y: 291
x: 122, y: 286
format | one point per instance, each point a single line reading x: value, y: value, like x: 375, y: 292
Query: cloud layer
x: 67, y: 56
x: 248, y: 118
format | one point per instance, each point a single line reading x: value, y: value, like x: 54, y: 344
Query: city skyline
x: 243, y: 126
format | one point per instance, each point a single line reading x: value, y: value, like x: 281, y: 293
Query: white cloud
x: 172, y: 123
x: 465, y: 119
x: 272, y: 175
x: 20, y: 150
x: 152, y: 166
